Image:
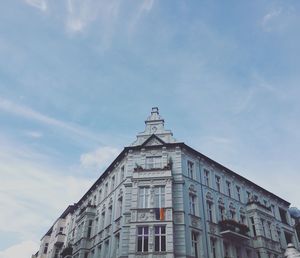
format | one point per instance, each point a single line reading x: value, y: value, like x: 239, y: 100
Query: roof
x: 181, y: 145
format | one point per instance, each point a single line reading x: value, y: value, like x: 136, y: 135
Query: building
x: 161, y: 198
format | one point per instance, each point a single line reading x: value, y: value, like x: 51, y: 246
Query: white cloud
x: 99, y: 158
x: 33, y: 188
x: 28, y: 113
x: 39, y: 4
x: 81, y: 13
x: 34, y: 134
x: 20, y: 250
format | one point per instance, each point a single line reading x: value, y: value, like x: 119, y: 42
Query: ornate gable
x: 153, y: 140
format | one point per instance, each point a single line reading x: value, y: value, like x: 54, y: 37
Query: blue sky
x: 78, y: 78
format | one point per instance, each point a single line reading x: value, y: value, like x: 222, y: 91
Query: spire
x: 154, y: 125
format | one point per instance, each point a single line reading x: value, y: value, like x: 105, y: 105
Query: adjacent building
x: 161, y: 198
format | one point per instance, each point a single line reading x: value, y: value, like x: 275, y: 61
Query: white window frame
x: 144, y: 197
x: 159, y: 196
x: 161, y: 237
x: 190, y: 169
x: 153, y: 162
x: 143, y: 236
x: 192, y: 204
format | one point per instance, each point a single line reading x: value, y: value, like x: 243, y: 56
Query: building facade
x: 161, y: 198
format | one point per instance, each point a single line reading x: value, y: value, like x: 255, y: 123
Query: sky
x: 79, y: 77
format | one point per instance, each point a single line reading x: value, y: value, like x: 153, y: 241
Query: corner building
x: 161, y: 199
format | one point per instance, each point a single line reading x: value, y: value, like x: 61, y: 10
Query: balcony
x: 89, y: 209
x: 256, y: 205
x: 263, y: 242
x: 67, y: 251
x: 161, y: 171
x: 234, y: 230
x: 59, y: 239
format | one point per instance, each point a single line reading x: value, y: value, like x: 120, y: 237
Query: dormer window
x: 153, y: 162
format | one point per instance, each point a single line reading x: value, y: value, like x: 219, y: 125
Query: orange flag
x: 162, y: 214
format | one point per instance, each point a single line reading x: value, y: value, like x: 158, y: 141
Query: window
x: 153, y: 162
x: 106, y: 245
x: 258, y: 254
x: 95, y: 200
x: 238, y: 252
x: 221, y: 212
x: 253, y: 226
x: 279, y: 237
x: 61, y: 229
x: 228, y: 188
x: 226, y: 249
x: 142, y: 239
x: 159, y: 201
x: 238, y: 193
x: 99, y: 250
x: 103, y: 220
x: 89, y: 231
x: 46, y: 248
x: 117, y: 242
x: 283, y: 217
x: 144, y: 197
x: 242, y: 218
x: 100, y: 195
x: 288, y: 238
x: 206, y: 177
x: 248, y: 196
x: 122, y: 172
x: 209, y: 211
x: 106, y: 189
x: 232, y: 214
x: 248, y: 252
x: 112, y: 183
x: 218, y: 183
x: 213, y: 247
x: 270, y: 229
x: 266, y: 203
x: 195, y: 244
x: 190, y: 167
x: 263, y: 226
x: 273, y: 209
x: 109, y: 215
x: 56, y: 254
x: 119, y: 207
x: 160, y: 238
x: 192, y: 203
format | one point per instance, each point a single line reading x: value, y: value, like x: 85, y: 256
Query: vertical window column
x: 159, y: 238
x: 142, y: 239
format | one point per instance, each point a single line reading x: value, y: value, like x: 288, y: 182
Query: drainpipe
x: 203, y: 208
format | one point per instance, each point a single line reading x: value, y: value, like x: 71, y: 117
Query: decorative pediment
x: 153, y: 140
x: 192, y: 189
x: 221, y: 202
x: 231, y: 206
x: 209, y: 197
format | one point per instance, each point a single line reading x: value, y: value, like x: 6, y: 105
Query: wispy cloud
x: 20, y: 250
x: 29, y: 113
x: 34, y: 134
x: 81, y: 13
x: 99, y: 158
x: 267, y: 19
x: 33, y: 187
x: 39, y: 4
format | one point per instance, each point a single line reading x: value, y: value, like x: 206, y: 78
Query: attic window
x: 153, y: 162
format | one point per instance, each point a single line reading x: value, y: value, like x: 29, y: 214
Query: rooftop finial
x: 154, y: 125
x: 154, y: 115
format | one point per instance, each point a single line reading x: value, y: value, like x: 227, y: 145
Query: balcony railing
x: 139, y: 168
x: 268, y: 208
x: 233, y: 229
